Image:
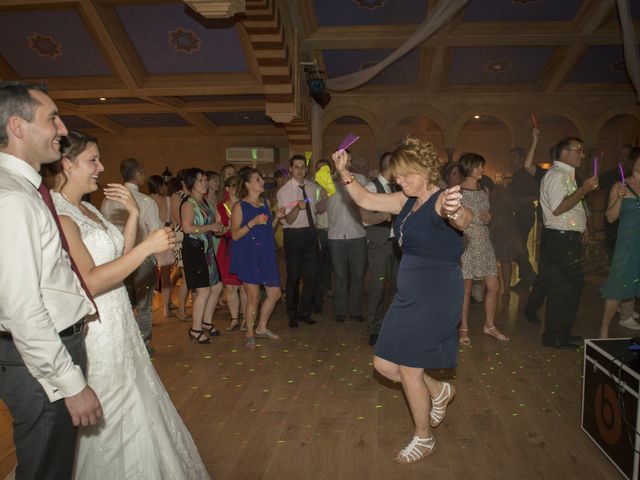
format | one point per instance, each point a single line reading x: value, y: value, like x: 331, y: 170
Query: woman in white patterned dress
x: 478, y: 259
x: 141, y: 434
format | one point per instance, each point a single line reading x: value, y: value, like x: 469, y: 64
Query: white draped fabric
x: 442, y: 13
x: 630, y: 43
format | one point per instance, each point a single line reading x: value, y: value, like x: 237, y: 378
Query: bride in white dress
x: 141, y: 435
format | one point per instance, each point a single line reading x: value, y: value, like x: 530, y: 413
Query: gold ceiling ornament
x: 218, y: 8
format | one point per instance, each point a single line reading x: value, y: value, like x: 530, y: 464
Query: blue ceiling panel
x: 150, y: 120
x: 239, y: 118
x: 498, y: 65
x: 174, y: 39
x: 521, y: 10
x: 601, y: 64
x: 48, y: 44
x: 404, y: 71
x: 76, y: 123
x: 334, y: 13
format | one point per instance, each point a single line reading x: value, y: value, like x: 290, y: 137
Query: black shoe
x: 293, y: 323
x: 531, y: 316
x: 522, y: 285
x: 373, y: 338
x: 562, y: 344
x: 340, y: 318
x: 358, y: 318
x: 308, y: 320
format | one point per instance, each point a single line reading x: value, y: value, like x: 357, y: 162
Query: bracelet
x: 197, y: 230
x: 247, y: 225
x: 456, y: 215
x: 348, y: 182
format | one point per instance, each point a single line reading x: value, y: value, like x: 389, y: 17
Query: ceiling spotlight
x: 102, y: 99
x: 477, y: 117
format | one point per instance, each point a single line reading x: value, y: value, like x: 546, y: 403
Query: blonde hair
x: 416, y: 156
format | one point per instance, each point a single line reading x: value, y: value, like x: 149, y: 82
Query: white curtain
x: 444, y: 11
x: 630, y: 44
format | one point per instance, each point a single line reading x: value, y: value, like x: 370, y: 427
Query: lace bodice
x: 103, y: 240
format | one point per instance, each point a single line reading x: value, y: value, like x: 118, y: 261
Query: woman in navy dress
x: 419, y: 330
x: 253, y: 252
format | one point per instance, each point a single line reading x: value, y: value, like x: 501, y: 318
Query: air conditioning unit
x: 250, y: 154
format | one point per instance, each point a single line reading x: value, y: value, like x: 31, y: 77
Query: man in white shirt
x: 42, y: 303
x: 382, y: 251
x: 141, y: 283
x: 301, y: 200
x: 565, y: 227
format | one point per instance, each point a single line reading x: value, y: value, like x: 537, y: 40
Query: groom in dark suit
x: 43, y: 305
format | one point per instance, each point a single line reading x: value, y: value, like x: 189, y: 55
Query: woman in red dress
x: 236, y: 296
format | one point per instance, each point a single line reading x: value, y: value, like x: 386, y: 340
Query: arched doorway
x: 365, y: 155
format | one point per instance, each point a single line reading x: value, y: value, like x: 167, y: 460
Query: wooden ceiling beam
x: 561, y: 66
x: 6, y: 71
x: 104, y: 123
x: 199, y: 120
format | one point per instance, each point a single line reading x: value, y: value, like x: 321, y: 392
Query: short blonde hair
x: 416, y: 156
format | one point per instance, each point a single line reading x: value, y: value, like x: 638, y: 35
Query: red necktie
x: 46, y: 196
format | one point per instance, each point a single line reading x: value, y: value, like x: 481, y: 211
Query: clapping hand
x: 451, y: 200
x: 122, y: 195
x: 160, y: 240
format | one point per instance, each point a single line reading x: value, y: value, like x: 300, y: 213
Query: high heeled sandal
x: 266, y: 334
x: 250, y: 342
x: 440, y: 403
x: 463, y: 338
x: 243, y: 325
x: 417, y: 449
x: 233, y: 325
x: 201, y: 338
x: 210, y: 329
x: 495, y: 333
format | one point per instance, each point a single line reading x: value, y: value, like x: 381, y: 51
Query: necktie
x: 46, y: 196
x: 307, y: 207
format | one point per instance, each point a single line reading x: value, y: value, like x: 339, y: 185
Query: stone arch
x: 365, y: 152
x: 463, y: 118
x: 396, y: 117
x: 585, y: 130
x: 610, y: 113
x: 365, y: 115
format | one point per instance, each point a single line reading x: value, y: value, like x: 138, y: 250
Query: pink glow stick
x: 533, y: 121
x: 348, y: 141
x: 621, y: 172
x: 295, y: 202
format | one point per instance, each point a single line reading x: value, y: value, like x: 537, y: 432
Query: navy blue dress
x: 420, y: 328
x: 253, y: 257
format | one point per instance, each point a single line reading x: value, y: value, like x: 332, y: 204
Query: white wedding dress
x: 142, y: 435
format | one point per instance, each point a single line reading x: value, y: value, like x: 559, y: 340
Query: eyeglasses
x: 579, y: 149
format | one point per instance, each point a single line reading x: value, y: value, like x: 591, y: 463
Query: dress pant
x: 43, y: 434
x: 383, y: 270
x: 301, y: 253
x: 524, y: 222
x: 561, y: 267
x: 323, y: 270
x: 140, y: 287
x: 349, y: 260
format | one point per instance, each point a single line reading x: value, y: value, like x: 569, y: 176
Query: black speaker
x: 611, y: 389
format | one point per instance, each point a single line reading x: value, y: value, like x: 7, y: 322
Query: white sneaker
x: 629, y: 323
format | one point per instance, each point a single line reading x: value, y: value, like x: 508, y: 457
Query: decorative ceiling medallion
x: 525, y: 2
x: 44, y: 45
x: 184, y: 41
x: 619, y: 66
x: 369, y: 4
x: 497, y: 66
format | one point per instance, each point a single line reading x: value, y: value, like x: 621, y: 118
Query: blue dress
x: 420, y: 328
x: 624, y: 276
x: 253, y: 257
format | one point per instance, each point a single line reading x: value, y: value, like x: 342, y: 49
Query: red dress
x: 223, y: 255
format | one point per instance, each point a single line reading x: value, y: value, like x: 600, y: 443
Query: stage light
x: 316, y: 81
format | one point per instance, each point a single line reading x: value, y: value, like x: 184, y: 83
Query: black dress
x: 420, y: 328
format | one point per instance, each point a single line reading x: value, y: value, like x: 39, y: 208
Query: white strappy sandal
x: 417, y: 449
x: 440, y: 403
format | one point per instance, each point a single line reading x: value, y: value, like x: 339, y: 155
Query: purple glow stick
x: 595, y: 165
x: 348, y: 141
x: 621, y: 172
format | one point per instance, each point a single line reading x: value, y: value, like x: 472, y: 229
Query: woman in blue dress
x: 253, y: 252
x: 419, y: 330
x: 624, y: 277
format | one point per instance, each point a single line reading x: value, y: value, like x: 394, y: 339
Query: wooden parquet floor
x: 309, y: 406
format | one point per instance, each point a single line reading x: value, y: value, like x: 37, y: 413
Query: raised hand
x: 535, y: 133
x: 451, y: 200
x: 122, y: 195
x: 340, y: 159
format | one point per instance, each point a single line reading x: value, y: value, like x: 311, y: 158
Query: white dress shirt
x: 372, y: 188
x: 39, y: 293
x: 557, y: 184
x: 148, y: 221
x: 291, y: 192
